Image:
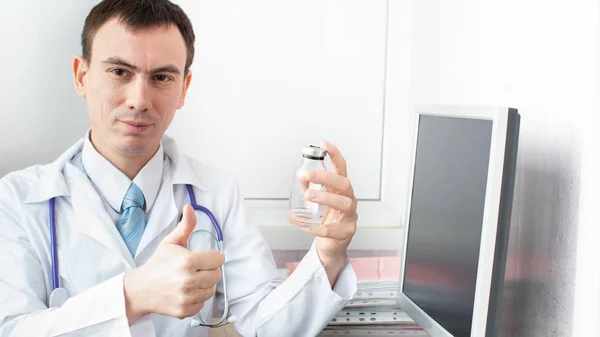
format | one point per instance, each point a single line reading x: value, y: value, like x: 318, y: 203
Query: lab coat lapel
x: 52, y: 183
x: 91, y: 217
x: 176, y: 171
x: 161, y: 216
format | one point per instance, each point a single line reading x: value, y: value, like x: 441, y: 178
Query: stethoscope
x: 60, y: 295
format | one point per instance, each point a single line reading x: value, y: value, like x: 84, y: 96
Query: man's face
x: 133, y: 85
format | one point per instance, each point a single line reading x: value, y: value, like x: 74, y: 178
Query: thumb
x: 185, y: 227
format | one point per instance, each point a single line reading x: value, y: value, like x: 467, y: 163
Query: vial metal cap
x: 313, y: 152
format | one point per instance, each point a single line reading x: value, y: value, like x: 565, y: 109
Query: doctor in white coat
x: 136, y: 277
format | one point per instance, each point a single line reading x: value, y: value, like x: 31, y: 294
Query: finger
x: 196, y: 297
x: 184, y: 229
x: 303, y: 182
x: 206, y: 259
x: 336, y: 231
x: 186, y: 308
x: 331, y: 180
x: 201, y: 295
x: 298, y: 221
x: 339, y: 202
x: 339, y: 163
x: 207, y: 278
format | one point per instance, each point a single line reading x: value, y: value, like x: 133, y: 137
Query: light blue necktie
x: 133, y: 221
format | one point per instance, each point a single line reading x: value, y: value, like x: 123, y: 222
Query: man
x: 117, y: 197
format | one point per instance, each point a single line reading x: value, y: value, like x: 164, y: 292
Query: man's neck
x: 129, y: 165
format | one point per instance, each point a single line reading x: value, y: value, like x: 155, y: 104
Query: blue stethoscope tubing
x: 53, y: 245
x: 60, y: 295
x: 206, y: 211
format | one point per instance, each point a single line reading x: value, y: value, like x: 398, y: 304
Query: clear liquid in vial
x: 305, y: 218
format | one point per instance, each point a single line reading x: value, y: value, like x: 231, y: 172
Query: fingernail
x: 312, y: 195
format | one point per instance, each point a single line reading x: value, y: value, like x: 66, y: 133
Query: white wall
x: 40, y: 113
x: 540, y: 57
x: 586, y: 315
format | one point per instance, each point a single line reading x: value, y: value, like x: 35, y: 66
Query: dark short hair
x: 138, y: 14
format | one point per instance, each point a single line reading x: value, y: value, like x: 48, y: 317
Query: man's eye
x: 162, y: 78
x: 119, y: 72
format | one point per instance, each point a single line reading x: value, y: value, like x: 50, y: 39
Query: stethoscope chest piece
x: 58, y: 297
x: 202, y: 239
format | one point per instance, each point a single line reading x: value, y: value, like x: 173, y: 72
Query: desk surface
x: 224, y: 331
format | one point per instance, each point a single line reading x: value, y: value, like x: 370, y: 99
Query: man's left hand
x: 339, y: 215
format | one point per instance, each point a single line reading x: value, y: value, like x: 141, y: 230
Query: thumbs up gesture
x: 175, y: 281
x: 184, y: 229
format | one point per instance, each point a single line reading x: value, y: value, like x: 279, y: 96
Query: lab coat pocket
x: 87, y: 263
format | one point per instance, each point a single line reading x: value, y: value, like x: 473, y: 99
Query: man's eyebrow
x: 166, y: 69
x: 120, y: 62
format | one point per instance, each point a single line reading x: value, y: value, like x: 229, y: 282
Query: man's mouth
x: 136, y: 127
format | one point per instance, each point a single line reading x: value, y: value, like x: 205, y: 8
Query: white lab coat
x: 93, y: 258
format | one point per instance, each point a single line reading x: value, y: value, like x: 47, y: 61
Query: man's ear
x: 80, y: 70
x: 186, y: 84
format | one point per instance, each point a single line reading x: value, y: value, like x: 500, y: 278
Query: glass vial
x: 302, y: 212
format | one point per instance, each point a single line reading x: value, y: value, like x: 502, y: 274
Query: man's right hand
x: 175, y: 281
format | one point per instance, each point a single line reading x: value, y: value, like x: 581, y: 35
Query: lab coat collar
x: 181, y: 171
x: 113, y: 184
x: 52, y: 182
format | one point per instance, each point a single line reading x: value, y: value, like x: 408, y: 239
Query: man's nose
x: 138, y: 95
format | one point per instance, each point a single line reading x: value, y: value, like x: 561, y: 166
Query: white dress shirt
x: 112, y: 184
